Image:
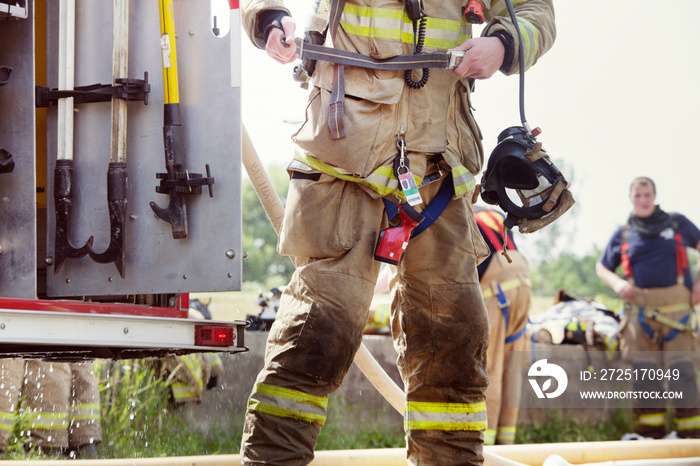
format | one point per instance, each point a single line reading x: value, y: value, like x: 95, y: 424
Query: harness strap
x: 336, y: 123
x: 677, y: 327
x: 432, y: 211
x: 504, y: 304
x: 398, y: 63
x: 681, y: 253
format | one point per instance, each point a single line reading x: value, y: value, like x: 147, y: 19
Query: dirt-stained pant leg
x: 85, y: 414
x: 11, y: 376
x: 330, y: 227
x: 440, y: 330
x: 47, y: 388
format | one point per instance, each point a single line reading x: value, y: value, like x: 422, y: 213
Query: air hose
x: 418, y: 48
x: 521, y: 64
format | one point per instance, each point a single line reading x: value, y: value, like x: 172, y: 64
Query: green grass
x: 560, y: 428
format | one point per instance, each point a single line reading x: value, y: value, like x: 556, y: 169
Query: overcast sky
x: 618, y: 96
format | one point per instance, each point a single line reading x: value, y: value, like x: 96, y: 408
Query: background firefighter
x: 506, y: 287
x: 357, y: 120
x: 61, y: 405
x: 659, y: 296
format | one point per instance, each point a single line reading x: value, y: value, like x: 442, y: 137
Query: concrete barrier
x: 356, y: 400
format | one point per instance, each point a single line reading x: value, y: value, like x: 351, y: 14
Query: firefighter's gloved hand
x: 280, y: 42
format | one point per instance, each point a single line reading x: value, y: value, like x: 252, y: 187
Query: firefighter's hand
x: 625, y: 290
x: 482, y: 58
x: 282, y: 51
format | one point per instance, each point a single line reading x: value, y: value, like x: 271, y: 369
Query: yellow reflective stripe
x: 445, y: 416
x: 383, y: 23
x: 7, y: 420
x: 508, y: 285
x: 216, y: 361
x: 656, y: 419
x: 506, y: 434
x: 383, y: 180
x: 688, y: 423
x: 382, y: 173
x: 86, y: 412
x: 529, y: 32
x: 183, y: 391
x: 530, y: 36
x: 86, y: 407
x: 288, y: 403
x: 5, y: 416
x: 195, y: 369
x: 291, y: 395
x: 501, y: 8
x: 490, y: 437
x: 381, y: 314
x: 46, y: 420
x: 463, y: 180
x: 261, y: 407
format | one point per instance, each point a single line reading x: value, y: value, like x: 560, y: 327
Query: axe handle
x: 120, y: 69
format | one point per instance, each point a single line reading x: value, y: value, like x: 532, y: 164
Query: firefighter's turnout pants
x: 644, y: 328
x: 438, y: 320
x: 61, y: 403
x: 511, y: 283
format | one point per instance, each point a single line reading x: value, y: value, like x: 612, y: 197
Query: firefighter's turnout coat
x: 506, y: 286
x: 335, y: 212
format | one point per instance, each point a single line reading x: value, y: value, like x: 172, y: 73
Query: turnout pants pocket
x: 318, y: 219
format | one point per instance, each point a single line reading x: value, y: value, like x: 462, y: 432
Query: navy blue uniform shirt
x: 653, y: 259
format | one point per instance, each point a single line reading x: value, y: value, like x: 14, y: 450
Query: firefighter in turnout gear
x: 659, y: 315
x: 506, y: 286
x: 61, y: 404
x: 365, y: 129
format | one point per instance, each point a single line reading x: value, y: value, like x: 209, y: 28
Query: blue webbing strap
x: 432, y: 211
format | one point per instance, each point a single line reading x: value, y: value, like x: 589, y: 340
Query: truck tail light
x: 211, y: 335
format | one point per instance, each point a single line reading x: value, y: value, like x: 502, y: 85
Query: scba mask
x: 523, y: 181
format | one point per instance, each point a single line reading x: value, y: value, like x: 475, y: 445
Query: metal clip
x: 455, y: 58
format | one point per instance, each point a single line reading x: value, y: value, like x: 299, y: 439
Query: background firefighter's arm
x: 696, y: 285
x: 536, y: 26
x: 621, y: 286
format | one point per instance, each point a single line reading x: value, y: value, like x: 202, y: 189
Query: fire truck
x: 120, y: 149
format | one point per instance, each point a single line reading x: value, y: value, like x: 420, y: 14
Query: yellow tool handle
x: 167, y: 43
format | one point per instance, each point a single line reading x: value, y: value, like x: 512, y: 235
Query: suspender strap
x: 398, y: 63
x: 504, y: 304
x: 431, y: 213
x: 681, y: 257
x: 335, y: 110
x: 515, y: 336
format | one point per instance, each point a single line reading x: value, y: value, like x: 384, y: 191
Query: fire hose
x: 363, y: 358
